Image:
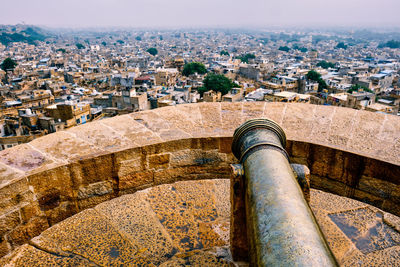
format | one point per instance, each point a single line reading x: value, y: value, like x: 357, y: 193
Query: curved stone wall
x: 352, y: 153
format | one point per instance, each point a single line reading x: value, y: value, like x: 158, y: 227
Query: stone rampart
x: 349, y: 152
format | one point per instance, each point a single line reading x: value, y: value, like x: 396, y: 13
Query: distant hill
x: 21, y: 33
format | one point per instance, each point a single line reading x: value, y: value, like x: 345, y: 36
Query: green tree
x: 152, y: 51
x: 325, y: 65
x: 303, y: 49
x: 357, y: 87
x: 202, y: 90
x: 138, y: 38
x: 104, y: 43
x: 8, y: 64
x: 224, y: 53
x: 390, y: 44
x: 315, y: 76
x: 284, y: 48
x: 62, y: 50
x: 218, y: 83
x: 80, y: 46
x: 245, y: 58
x: 341, y: 45
x: 120, y: 42
x: 194, y: 67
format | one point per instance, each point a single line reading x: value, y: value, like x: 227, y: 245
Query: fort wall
x: 349, y: 152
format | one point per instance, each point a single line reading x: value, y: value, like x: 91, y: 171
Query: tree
x: 303, y: 49
x: 62, y: 50
x: 104, y: 43
x: 80, y: 46
x: 218, y: 83
x: 245, y: 58
x: 315, y: 76
x: 138, y: 38
x: 341, y: 45
x: 152, y: 51
x: 391, y: 44
x: 194, y: 67
x: 284, y: 48
x: 357, y: 87
x: 224, y: 53
x: 325, y: 65
x: 120, y: 42
x: 8, y: 64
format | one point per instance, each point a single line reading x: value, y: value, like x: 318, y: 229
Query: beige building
x: 212, y: 96
x: 286, y: 96
x: 283, y: 83
x: 70, y: 112
x: 377, y: 107
x: 39, y: 98
x: 166, y: 77
x: 235, y: 95
x: 130, y: 100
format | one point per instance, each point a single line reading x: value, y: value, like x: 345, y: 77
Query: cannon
x: 271, y: 222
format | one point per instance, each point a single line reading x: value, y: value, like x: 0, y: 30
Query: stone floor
x: 187, y: 223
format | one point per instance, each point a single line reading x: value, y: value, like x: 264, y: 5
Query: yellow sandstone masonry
x: 352, y: 153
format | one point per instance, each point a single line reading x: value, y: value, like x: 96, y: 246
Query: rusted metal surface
x: 281, y: 228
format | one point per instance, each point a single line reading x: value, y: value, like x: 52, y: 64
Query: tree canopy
x: 194, y: 67
x: 325, y: 65
x: 217, y: 83
x: 315, y: 76
x: 224, y: 53
x: 8, y: 64
x: 29, y: 35
x: 357, y: 87
x: 390, y: 44
x: 284, y: 48
x: 138, y: 38
x: 245, y: 58
x: 152, y: 51
x: 80, y: 46
x: 341, y: 45
x: 301, y: 49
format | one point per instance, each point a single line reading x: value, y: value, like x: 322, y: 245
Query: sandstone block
x: 95, y: 189
x: 368, y: 198
x: 63, y: 211
x: 135, y: 180
x: 92, y: 170
x: 160, y: 161
x: 57, y: 179
x: 4, y: 248
x: 30, y: 210
x: 375, y: 186
x: 8, y: 222
x: 195, y: 157
x: 24, y: 232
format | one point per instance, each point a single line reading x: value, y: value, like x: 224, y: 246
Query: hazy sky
x: 190, y: 13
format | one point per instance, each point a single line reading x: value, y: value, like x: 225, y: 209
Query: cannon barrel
x: 281, y: 228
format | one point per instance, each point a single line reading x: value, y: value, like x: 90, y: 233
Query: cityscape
x: 53, y: 80
x: 213, y: 133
